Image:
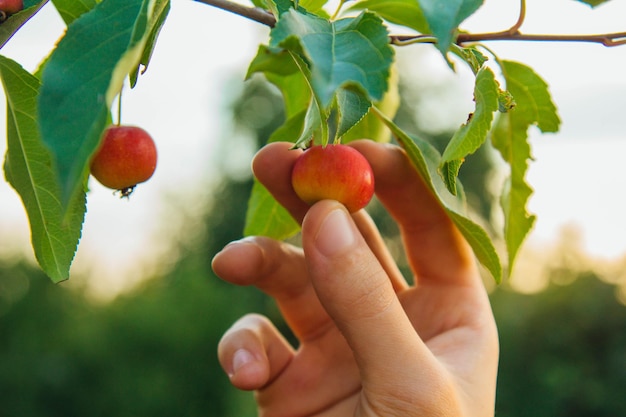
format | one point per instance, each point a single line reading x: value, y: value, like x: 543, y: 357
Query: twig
x: 253, y: 13
x: 520, y: 19
x: 512, y: 34
x: 606, y: 39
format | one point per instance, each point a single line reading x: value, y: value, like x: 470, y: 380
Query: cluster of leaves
x: 338, y: 81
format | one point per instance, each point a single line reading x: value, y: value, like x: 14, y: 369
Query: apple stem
x: 119, y: 108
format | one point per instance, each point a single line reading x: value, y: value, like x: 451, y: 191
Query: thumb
x: 357, y: 294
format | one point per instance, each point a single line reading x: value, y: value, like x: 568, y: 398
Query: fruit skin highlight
x: 333, y: 172
x: 11, y: 6
x: 126, y: 157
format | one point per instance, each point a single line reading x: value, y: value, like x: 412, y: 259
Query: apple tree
x: 333, y: 63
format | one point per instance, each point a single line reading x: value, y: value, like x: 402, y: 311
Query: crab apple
x: 126, y: 157
x: 333, y: 172
x: 11, y: 6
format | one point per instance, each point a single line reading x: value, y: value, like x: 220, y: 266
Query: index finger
x: 272, y: 166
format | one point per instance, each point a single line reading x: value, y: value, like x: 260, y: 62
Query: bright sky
x: 201, y: 57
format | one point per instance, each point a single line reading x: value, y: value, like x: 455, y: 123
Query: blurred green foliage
x: 152, y: 352
x: 563, y: 351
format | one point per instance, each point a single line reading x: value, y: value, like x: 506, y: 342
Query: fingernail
x: 245, y: 240
x: 240, y: 358
x: 336, y: 233
x: 237, y: 245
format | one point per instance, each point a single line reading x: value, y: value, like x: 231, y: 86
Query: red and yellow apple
x: 126, y: 157
x: 333, y: 172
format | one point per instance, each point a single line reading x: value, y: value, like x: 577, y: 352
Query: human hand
x: 370, y: 344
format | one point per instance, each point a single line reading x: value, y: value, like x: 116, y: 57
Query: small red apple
x: 127, y: 156
x: 333, y: 172
x: 11, y: 6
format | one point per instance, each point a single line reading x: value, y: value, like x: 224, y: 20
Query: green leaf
x: 9, y: 27
x: 472, y: 57
x: 265, y: 217
x: 344, y: 63
x: 533, y: 100
x: 157, y: 19
x: 426, y: 161
x: 315, y: 126
x: 352, y: 108
x: 289, y: 73
x: 81, y: 79
x: 294, y: 91
x: 313, y: 6
x: 299, y: 97
x: 347, y: 52
x: 371, y: 127
x: 506, y: 101
x: 281, y: 69
x: 534, y: 106
x: 28, y: 168
x: 316, y: 116
x: 294, y: 124
x: 70, y: 10
x: 278, y: 7
x: 272, y: 61
x: 471, y: 135
x: 480, y: 242
x: 400, y: 12
x: 449, y: 171
x: 444, y: 17
x: 510, y: 138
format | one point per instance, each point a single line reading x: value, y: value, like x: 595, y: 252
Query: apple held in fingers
x: 126, y: 157
x: 333, y: 172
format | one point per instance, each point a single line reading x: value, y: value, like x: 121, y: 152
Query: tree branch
x: 606, y: 39
x: 512, y: 34
x: 253, y: 13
